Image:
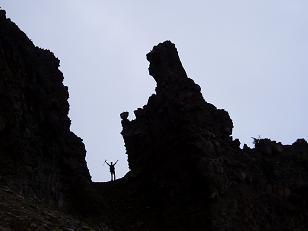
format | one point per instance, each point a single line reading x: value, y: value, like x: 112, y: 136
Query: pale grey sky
x: 249, y: 57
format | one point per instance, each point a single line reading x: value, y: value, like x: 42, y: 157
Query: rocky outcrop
x: 196, y: 174
x: 40, y: 156
x: 187, y: 172
x: 176, y: 124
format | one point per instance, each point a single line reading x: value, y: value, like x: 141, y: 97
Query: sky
x: 249, y: 57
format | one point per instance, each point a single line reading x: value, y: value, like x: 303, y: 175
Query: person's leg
x: 111, y: 176
x: 114, y: 176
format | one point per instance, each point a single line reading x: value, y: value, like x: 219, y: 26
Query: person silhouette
x: 112, y: 169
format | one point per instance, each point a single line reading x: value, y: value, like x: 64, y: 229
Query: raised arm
x: 107, y: 163
x: 116, y: 162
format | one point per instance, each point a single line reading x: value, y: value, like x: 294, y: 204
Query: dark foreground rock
x: 187, y: 172
x: 40, y: 156
x: 19, y: 213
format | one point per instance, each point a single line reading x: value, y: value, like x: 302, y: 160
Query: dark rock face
x: 40, y: 157
x: 175, y: 120
x: 174, y: 138
x: 196, y: 175
x: 187, y: 172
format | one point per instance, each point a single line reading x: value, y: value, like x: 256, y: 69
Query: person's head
x: 111, y: 162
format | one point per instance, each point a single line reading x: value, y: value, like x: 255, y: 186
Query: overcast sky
x: 249, y: 57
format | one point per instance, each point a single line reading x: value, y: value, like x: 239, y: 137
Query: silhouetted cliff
x: 196, y: 175
x: 187, y: 172
x: 40, y: 156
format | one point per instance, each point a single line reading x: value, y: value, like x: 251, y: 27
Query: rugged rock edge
x: 187, y: 172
